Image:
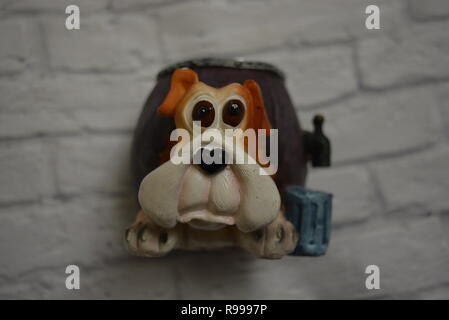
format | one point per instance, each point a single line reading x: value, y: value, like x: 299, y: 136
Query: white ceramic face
x: 214, y: 110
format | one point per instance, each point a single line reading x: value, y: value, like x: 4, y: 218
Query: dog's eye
x: 204, y: 111
x: 233, y: 112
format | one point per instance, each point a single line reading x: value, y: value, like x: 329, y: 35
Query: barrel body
x: 152, y: 131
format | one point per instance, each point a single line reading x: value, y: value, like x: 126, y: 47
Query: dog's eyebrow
x: 200, y: 95
x: 234, y: 96
x: 195, y: 92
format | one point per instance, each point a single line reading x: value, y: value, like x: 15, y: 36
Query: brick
x: 61, y: 104
x: 87, y: 231
x: 74, y: 92
x: 410, y: 255
x: 377, y: 124
x: 417, y: 53
x: 93, y: 164
x: 26, y: 124
x: 142, y: 278
x: 31, y: 237
x: 354, y: 199
x: 416, y: 183
x: 443, y: 92
x: 430, y: 9
x: 121, y: 119
x: 145, y: 279
x: 445, y: 224
x: 435, y: 292
x: 21, y: 49
x: 416, y: 259
x: 328, y: 21
x: 26, y: 174
x: 103, y: 44
x: 121, y: 5
x: 32, y: 124
x: 197, y: 29
x: 9, y: 292
x: 57, y: 122
x: 391, y: 245
x: 54, y: 6
x: 315, y: 76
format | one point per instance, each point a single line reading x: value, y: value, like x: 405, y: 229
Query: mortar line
x: 387, y: 155
x: 377, y: 188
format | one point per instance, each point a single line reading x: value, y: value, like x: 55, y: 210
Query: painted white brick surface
x: 377, y: 124
x: 21, y: 48
x: 93, y: 164
x: 315, y: 75
x: 53, y: 6
x: 26, y: 173
x: 95, y: 47
x: 420, y: 183
x: 414, y: 54
x: 354, y: 192
x: 69, y: 101
x: 430, y: 9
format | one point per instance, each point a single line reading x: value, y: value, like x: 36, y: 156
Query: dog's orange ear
x: 181, y: 81
x: 259, y: 118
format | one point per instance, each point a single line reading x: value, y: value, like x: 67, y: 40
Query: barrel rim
x: 237, y: 63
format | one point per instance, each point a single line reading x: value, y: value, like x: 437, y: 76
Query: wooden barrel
x: 152, y: 131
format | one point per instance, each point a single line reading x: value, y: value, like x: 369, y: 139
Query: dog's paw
x: 273, y: 241
x: 279, y: 238
x: 144, y: 238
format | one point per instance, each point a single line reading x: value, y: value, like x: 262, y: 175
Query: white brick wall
x: 431, y: 9
x: 315, y: 75
x: 416, y: 53
x: 26, y: 171
x: 94, y: 47
x: 69, y: 101
x: 21, y: 46
x: 377, y: 124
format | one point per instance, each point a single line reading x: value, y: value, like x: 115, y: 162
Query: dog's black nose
x: 211, y: 160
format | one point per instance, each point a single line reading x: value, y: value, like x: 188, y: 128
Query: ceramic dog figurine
x: 210, y: 206
x: 189, y: 202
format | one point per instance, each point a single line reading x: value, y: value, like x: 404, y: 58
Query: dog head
x: 214, y: 187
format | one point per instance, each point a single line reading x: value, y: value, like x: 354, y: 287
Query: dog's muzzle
x: 211, y: 167
x: 210, y: 195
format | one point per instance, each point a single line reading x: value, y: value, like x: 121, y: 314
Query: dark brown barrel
x: 152, y: 131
